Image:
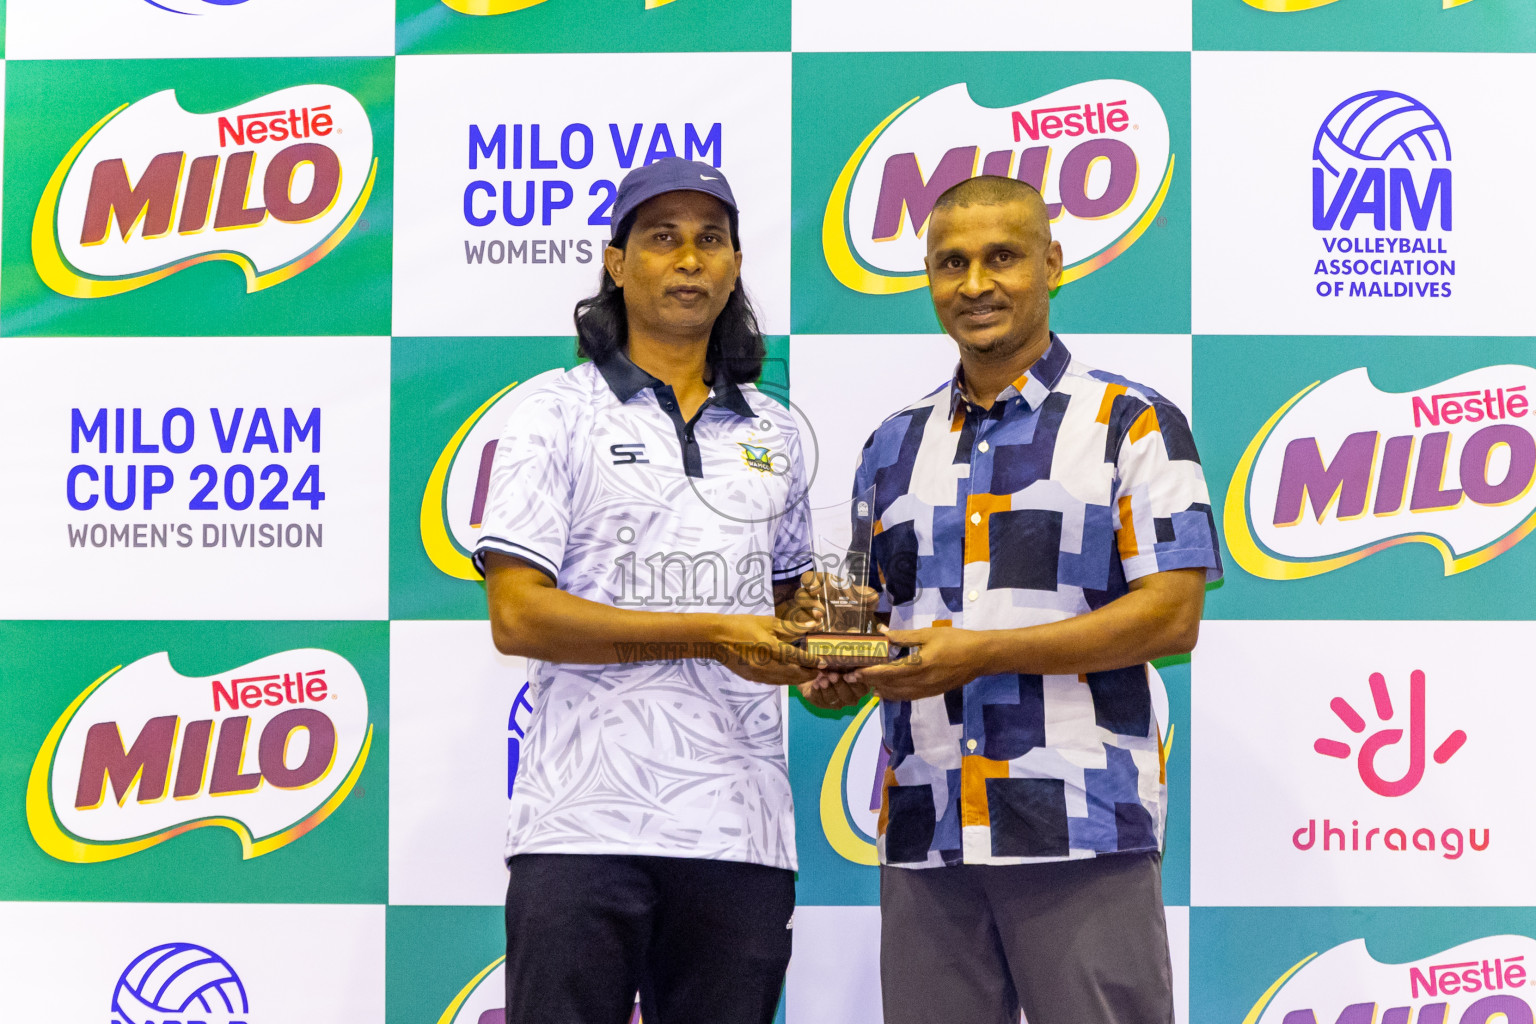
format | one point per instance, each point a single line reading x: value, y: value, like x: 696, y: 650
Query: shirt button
x: 976, y: 518
x: 973, y: 595
x: 983, y: 446
x: 970, y: 744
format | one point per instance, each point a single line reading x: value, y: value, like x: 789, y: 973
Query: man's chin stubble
x: 990, y: 348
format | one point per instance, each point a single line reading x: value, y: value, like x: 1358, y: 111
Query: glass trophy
x: 847, y: 635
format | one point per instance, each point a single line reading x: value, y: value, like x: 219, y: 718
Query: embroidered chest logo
x: 628, y: 454
x: 756, y: 458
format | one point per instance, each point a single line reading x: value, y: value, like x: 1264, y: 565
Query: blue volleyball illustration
x: 179, y: 979
x: 191, y: 6
x: 1377, y: 126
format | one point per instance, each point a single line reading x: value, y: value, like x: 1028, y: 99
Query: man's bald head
x: 995, y: 190
x: 991, y: 267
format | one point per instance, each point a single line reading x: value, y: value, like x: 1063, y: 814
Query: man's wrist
x: 990, y: 652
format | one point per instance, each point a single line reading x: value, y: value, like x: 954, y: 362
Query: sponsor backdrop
x: 273, y: 273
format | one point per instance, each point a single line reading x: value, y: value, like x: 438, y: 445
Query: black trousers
x: 702, y: 941
x: 1074, y: 942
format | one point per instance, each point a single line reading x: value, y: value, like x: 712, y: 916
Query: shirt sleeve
x: 1162, y: 511
x: 792, y: 540
x: 528, y: 503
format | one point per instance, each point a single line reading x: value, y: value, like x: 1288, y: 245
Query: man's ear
x: 613, y: 262
x: 1053, y: 263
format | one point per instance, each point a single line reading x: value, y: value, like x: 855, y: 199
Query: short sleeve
x: 792, y: 539
x: 1162, y: 511
x: 528, y: 503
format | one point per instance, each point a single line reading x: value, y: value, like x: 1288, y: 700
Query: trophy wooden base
x: 847, y: 650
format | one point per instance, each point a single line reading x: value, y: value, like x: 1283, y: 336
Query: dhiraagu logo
x: 1291, y: 6
x: 1099, y: 152
x: 267, y: 750
x: 853, y: 786
x: 453, y: 504
x: 507, y: 6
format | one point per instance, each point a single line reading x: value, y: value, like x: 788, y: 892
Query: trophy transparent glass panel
x: 849, y: 633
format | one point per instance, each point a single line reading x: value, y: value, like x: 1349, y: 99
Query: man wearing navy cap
x: 646, y: 514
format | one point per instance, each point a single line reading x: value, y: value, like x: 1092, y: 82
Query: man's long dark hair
x: 736, y: 349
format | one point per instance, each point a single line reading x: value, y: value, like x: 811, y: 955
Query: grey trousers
x: 1075, y: 942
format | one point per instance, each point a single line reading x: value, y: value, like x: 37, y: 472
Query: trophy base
x: 847, y: 650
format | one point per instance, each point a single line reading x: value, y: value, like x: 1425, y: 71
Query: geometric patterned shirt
x: 1042, y: 507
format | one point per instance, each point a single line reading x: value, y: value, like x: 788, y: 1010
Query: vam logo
x: 1326, y: 480
x: 1479, y: 982
x: 453, y: 504
x: 179, y: 981
x: 506, y: 6
x: 267, y: 750
x: 193, y: 7
x: 272, y: 186
x: 1289, y: 6
x: 1381, y: 181
x: 1373, y: 745
x: 1099, y: 153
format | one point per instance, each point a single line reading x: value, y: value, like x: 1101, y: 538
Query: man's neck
x: 985, y: 378
x: 678, y: 362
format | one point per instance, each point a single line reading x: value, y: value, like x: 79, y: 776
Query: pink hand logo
x: 1386, y: 737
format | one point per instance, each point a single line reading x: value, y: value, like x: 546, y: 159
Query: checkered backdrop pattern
x: 274, y: 272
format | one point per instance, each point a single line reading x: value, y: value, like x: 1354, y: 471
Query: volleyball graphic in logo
x: 181, y: 980
x: 192, y: 6
x: 1377, y: 126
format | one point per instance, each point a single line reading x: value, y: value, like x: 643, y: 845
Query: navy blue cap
x: 669, y: 174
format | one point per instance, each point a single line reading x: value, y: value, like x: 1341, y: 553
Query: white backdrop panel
x: 451, y: 698
x: 842, y: 25
x: 1256, y: 120
x: 178, y: 558
x: 458, y: 277
x: 1302, y: 768
x: 301, y: 964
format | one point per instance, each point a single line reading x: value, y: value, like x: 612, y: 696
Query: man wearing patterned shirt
x: 1044, y: 531
x: 645, y: 509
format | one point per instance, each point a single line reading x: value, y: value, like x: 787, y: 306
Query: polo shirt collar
x: 1034, y: 385
x: 626, y: 380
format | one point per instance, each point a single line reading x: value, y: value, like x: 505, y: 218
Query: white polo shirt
x: 599, y: 482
